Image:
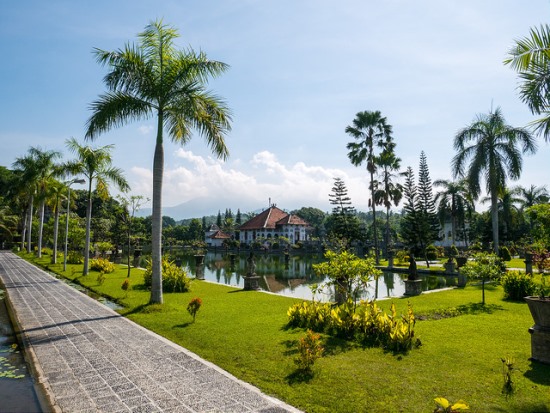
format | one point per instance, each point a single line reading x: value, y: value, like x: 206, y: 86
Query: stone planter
x: 413, y: 287
x: 540, y: 332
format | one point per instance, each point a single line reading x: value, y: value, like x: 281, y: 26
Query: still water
x: 17, y: 393
x: 293, y: 276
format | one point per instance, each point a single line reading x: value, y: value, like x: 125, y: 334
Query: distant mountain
x: 204, y: 206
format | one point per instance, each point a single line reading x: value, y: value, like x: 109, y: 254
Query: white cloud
x: 253, y: 183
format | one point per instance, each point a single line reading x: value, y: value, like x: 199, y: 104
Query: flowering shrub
x: 194, y: 306
x: 102, y: 265
x: 174, y: 278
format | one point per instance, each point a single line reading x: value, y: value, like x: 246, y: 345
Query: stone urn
x: 540, y: 332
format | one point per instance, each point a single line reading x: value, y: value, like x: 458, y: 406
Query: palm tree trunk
x: 23, y: 230
x: 494, y: 219
x: 156, y: 236
x: 41, y: 227
x: 29, y: 225
x: 88, y: 227
x: 374, y: 232
x: 55, y: 233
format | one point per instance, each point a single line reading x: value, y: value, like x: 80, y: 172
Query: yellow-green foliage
x: 102, y: 265
x: 365, y: 323
x: 174, y: 278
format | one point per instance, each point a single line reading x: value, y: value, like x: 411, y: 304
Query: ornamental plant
x: 102, y: 265
x: 347, y: 273
x: 445, y: 406
x: 483, y: 266
x: 174, y: 278
x: 194, y: 306
x: 126, y: 285
x: 309, y: 350
x: 518, y: 285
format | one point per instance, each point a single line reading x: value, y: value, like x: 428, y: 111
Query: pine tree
x: 430, y: 222
x: 410, y: 221
x: 344, y: 222
x: 219, y: 219
x: 420, y: 226
x: 239, y: 218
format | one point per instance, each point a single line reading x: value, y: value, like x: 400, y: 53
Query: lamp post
x: 74, y: 181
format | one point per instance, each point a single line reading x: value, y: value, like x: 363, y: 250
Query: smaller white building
x: 215, y: 237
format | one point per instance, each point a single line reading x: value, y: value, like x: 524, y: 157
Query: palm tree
x: 24, y: 189
x: 37, y: 168
x: 56, y: 193
x: 452, y: 201
x: 154, y: 78
x: 530, y: 57
x: 506, y: 209
x: 95, y: 164
x: 491, y: 149
x: 369, y: 129
x: 388, y: 192
x: 531, y: 196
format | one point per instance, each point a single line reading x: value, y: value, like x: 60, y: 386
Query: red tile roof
x: 219, y: 235
x: 271, y: 218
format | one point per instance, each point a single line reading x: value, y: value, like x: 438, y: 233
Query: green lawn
x: 244, y: 333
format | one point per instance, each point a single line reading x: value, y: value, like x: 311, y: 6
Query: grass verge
x: 245, y: 333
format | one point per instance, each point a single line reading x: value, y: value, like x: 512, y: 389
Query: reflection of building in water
x: 272, y: 224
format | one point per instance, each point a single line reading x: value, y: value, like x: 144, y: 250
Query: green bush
x: 504, y: 253
x: 102, y: 265
x: 74, y: 257
x: 365, y: 323
x: 517, y: 285
x: 431, y: 252
x: 174, y: 278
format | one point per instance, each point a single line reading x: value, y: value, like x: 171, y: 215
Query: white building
x: 272, y: 224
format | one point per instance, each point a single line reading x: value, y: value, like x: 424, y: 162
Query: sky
x: 300, y: 70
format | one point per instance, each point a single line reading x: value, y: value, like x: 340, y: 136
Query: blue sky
x: 300, y: 71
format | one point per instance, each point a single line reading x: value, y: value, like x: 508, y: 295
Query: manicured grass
x: 245, y: 333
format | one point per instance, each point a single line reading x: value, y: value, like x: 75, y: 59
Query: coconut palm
x: 533, y: 195
x: 369, y: 129
x: 389, y: 192
x: 507, y: 210
x: 150, y: 79
x: 453, y: 202
x: 530, y: 57
x: 38, y: 168
x: 95, y: 164
x: 491, y: 150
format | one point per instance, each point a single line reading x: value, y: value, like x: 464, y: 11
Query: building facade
x: 272, y: 224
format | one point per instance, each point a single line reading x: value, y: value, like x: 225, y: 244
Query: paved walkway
x: 88, y: 358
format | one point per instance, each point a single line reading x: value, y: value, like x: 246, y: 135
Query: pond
x: 293, y: 276
x: 17, y: 391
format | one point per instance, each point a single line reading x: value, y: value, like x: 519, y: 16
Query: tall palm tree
x: 452, y: 202
x: 38, y: 167
x: 26, y: 173
x: 389, y: 192
x: 95, y: 164
x: 56, y: 193
x: 488, y: 148
x: 507, y: 209
x: 530, y: 57
x: 154, y: 78
x: 370, y: 130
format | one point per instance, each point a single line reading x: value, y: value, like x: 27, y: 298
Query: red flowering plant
x: 193, y: 307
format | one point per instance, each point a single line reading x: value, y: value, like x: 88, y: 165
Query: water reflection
x: 292, y: 275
